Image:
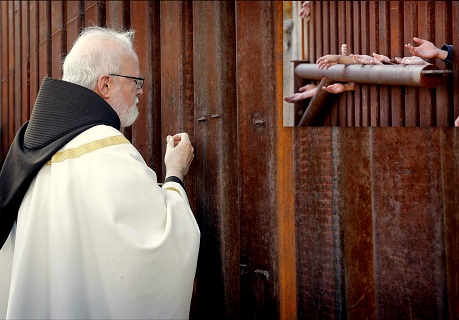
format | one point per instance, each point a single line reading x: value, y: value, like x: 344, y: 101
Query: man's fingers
x: 183, y: 136
x: 304, y: 88
x: 170, y: 141
x: 419, y: 40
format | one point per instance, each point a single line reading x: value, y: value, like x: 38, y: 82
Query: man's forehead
x: 130, y: 62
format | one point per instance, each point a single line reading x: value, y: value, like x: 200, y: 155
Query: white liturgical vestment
x: 97, y: 238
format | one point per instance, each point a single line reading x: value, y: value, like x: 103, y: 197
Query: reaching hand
x: 426, y: 49
x: 179, y: 154
x: 362, y: 58
x: 305, y: 11
x: 339, y: 87
x: 411, y: 60
x: 327, y: 61
x: 334, y: 88
x: 381, y: 59
x: 306, y: 92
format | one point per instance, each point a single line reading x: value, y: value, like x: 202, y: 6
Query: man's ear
x: 104, y: 86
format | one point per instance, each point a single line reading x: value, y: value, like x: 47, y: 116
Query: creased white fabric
x: 97, y: 238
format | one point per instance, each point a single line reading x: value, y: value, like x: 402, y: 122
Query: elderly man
x: 86, y: 232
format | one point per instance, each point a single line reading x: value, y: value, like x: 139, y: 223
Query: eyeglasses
x: 138, y: 81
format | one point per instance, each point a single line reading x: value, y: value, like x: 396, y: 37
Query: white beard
x: 132, y: 114
x: 126, y: 114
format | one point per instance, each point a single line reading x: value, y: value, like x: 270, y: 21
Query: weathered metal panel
x: 444, y: 113
x: 326, y: 20
x: 94, y: 13
x: 34, y: 80
x: 455, y: 41
x: 397, y: 115
x: 357, y: 112
x: 12, y: 116
x: 408, y: 224
x: 118, y: 14
x: 319, y: 281
x: 365, y: 47
x: 74, y: 21
x: 449, y: 144
x: 411, y: 94
x: 285, y: 197
x: 257, y: 158
x: 355, y: 191
x: 44, y: 39
x: 214, y: 81
x: 17, y: 65
x: 384, y: 46
x: 391, y: 214
x: 4, y: 133
x: 58, y: 38
x: 25, y: 49
x: 374, y: 47
x: 317, y: 38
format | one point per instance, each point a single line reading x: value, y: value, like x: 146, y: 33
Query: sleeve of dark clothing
x: 449, y: 57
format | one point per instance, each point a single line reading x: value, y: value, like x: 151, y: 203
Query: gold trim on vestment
x: 173, y: 189
x: 87, y: 148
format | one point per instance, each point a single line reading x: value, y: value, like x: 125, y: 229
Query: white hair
x: 97, y: 51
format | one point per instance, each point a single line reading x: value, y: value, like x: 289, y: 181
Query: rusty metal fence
x: 384, y: 27
x: 307, y: 223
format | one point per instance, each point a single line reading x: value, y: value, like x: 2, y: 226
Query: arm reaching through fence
x: 428, y: 50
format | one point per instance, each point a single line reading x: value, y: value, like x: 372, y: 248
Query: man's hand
x: 306, y: 92
x: 426, y: 49
x: 305, y: 11
x: 179, y: 154
x: 411, y: 60
x: 325, y: 62
x: 339, y: 87
x: 381, y: 59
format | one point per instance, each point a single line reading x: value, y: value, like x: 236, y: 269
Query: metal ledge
x: 399, y: 75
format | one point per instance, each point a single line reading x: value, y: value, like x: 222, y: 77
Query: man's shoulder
x: 96, y: 133
x: 95, y: 140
